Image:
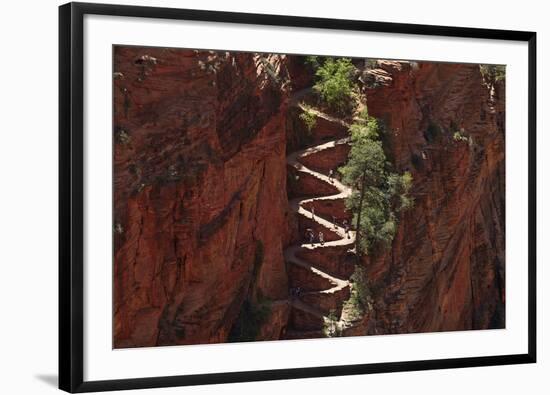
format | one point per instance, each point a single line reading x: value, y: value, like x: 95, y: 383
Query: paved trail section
x: 313, y: 309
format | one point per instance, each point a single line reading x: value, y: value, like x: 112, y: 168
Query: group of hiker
x: 312, y: 238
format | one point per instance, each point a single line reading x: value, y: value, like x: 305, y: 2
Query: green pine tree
x: 378, y: 193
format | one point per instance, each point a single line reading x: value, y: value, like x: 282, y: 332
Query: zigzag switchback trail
x: 318, y: 271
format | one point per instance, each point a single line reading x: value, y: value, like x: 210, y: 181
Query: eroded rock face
x: 445, y: 270
x: 199, y: 191
x: 201, y: 216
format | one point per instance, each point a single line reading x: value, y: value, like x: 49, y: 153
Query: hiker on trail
x: 312, y: 212
x: 346, y: 228
x: 310, y: 235
x: 321, y: 238
x: 330, y: 175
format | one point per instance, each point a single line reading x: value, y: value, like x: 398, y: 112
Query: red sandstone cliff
x: 445, y: 270
x: 199, y: 192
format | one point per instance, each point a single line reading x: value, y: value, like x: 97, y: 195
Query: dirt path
x: 322, y: 115
x: 291, y: 254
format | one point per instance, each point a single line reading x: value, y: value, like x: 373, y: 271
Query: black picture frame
x: 71, y: 204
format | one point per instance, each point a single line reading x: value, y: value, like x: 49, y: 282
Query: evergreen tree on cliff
x: 378, y: 193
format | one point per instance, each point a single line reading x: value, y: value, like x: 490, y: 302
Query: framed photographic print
x: 257, y: 197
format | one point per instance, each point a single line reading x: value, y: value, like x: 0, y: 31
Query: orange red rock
x: 445, y: 270
x: 200, y: 180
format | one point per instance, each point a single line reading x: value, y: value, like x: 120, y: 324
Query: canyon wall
x: 445, y: 269
x: 200, y: 203
x: 201, y: 215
